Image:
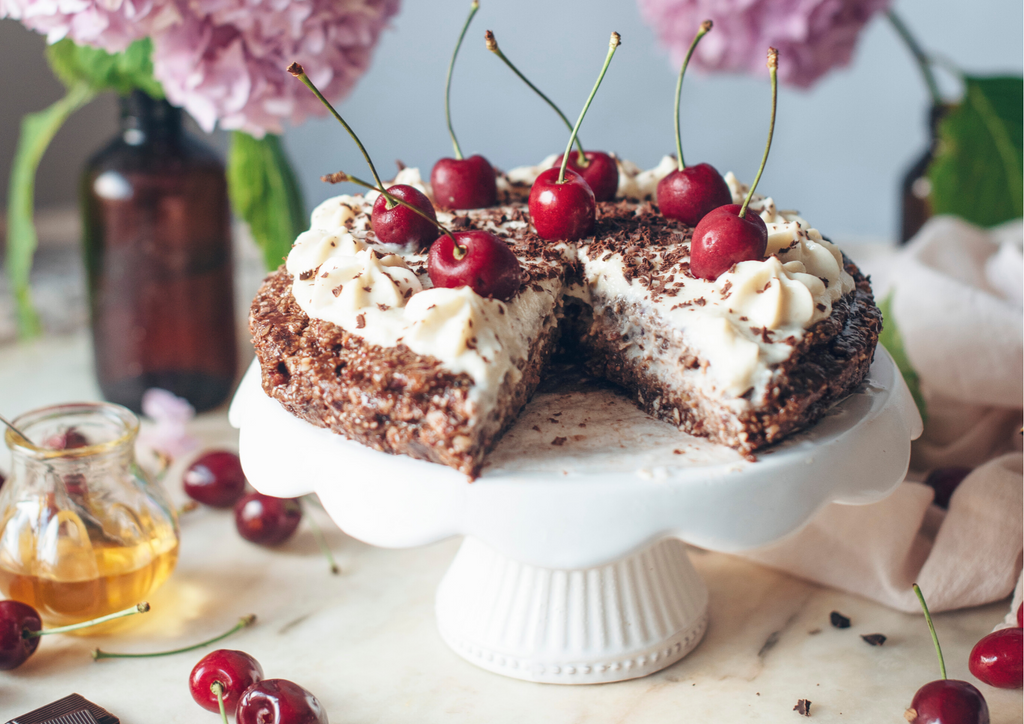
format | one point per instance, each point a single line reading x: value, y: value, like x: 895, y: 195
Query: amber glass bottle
x: 157, y: 239
x: 915, y: 188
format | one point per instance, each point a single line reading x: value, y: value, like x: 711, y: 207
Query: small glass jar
x: 83, y: 531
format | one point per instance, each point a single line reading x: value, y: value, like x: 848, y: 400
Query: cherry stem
x: 492, y: 45
x: 296, y: 70
x: 217, y: 689
x: 931, y: 627
x: 474, y: 6
x: 705, y: 28
x: 341, y: 177
x: 924, y: 63
x: 321, y: 541
x: 188, y: 507
x: 244, y: 622
x: 613, y: 44
x: 139, y: 608
x: 773, y: 71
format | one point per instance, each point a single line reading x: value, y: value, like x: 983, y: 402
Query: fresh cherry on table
x: 235, y: 670
x: 998, y: 659
x: 948, y: 701
x: 565, y: 210
x: 266, y: 520
x: 279, y: 701
x: 601, y: 172
x: 16, y: 618
x: 480, y: 261
x: 400, y: 225
x: 216, y: 479
x: 464, y: 183
x: 690, y: 193
x: 944, y: 481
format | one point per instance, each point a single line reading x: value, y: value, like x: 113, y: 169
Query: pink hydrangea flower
x: 225, y: 61
x: 109, y: 24
x: 812, y: 36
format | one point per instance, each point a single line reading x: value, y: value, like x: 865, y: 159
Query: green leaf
x: 265, y: 194
x: 37, y: 130
x: 978, y: 170
x: 891, y: 339
x: 121, y: 72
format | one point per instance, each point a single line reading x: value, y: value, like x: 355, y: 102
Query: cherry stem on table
x: 705, y: 28
x: 139, y: 608
x: 321, y: 541
x: 342, y: 177
x: 243, y: 622
x: 931, y: 627
x: 613, y: 44
x: 217, y: 689
x: 492, y: 45
x: 296, y: 70
x: 474, y: 6
x: 924, y: 63
x: 773, y: 71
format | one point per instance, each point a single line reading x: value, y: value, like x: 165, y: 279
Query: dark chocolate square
x: 64, y: 711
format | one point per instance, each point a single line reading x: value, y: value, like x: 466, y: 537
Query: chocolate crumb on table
x: 875, y: 639
x: 803, y: 707
x: 839, y: 620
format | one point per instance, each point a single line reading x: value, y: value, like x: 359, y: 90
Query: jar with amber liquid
x: 83, y: 530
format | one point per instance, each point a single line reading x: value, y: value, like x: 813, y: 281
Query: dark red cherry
x: 235, y: 670
x: 998, y: 659
x: 17, y: 618
x: 601, y: 173
x: 400, y: 225
x: 467, y: 183
x: 216, y: 479
x: 67, y: 440
x: 722, y: 239
x: 279, y: 701
x: 689, y: 195
x: 948, y: 701
x: 487, y: 265
x: 562, y: 211
x: 267, y: 520
x: 944, y: 481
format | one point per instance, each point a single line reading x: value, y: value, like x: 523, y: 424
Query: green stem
x: 139, y: 608
x: 296, y: 70
x: 773, y: 71
x: 321, y: 541
x: 931, y: 627
x: 705, y: 28
x: 217, y: 689
x: 37, y: 131
x: 492, y: 45
x: 474, y: 6
x: 243, y: 622
x: 924, y: 63
x: 613, y: 44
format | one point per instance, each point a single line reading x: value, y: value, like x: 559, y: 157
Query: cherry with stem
x: 729, y: 235
x: 243, y: 623
x: 392, y: 223
x: 690, y: 192
x: 462, y: 183
x: 597, y: 168
x: 562, y: 205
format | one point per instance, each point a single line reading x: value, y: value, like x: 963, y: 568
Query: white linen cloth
x: 958, y: 301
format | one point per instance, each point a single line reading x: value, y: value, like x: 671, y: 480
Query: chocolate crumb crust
x: 397, y: 401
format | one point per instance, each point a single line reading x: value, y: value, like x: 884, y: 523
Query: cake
x: 350, y: 336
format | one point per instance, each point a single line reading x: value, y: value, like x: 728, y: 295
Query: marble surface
x: 365, y: 641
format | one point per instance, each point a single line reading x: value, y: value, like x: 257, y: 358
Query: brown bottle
x: 158, y: 257
x: 916, y: 188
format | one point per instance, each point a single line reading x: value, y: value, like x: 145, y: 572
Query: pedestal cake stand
x: 573, y: 569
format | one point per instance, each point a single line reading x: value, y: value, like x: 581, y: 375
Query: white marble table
x: 365, y: 643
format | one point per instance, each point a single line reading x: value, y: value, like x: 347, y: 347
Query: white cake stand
x: 573, y: 568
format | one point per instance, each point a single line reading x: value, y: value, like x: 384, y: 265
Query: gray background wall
x: 839, y: 149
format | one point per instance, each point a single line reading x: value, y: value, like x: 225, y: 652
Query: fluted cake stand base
x: 573, y: 569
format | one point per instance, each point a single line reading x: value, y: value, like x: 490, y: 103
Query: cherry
x: 998, y: 659
x: 236, y: 671
x: 16, y: 620
x: 475, y: 259
x: 400, y: 225
x: 67, y: 440
x: 279, y: 701
x: 945, y: 701
x: 267, y: 520
x: 562, y: 205
x: 216, y: 479
x: 945, y: 481
x: 729, y: 234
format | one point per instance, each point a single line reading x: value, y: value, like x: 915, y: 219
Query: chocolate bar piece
x: 73, y: 709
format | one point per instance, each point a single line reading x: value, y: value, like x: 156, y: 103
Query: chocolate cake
x: 351, y: 337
